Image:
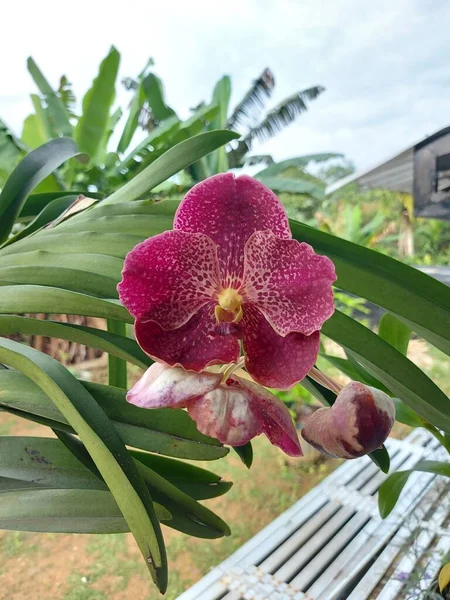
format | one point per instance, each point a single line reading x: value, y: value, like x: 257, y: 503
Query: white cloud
x: 384, y: 63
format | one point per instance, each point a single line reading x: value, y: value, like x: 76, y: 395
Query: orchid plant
x: 228, y: 301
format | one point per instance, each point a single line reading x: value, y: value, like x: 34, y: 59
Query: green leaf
x: 188, y: 515
x: 40, y: 299
x: 117, y: 367
x: 64, y: 511
x: 132, y: 120
x: 163, y: 490
x: 35, y: 203
x: 404, y: 414
x: 344, y: 365
x: 400, y: 289
x: 93, y: 124
x: 11, y: 151
x: 394, y: 332
x: 96, y: 264
x: 166, y: 431
x: 245, y: 453
x: 118, y: 345
x: 323, y: 394
x: 68, y: 279
x: 394, y: 370
x: 48, y: 214
x: 154, y: 94
x: 194, y: 481
x: 58, y: 117
x: 95, y: 242
x: 141, y: 225
x: 103, y: 156
x: 299, y: 162
x: 161, y: 135
x: 391, y: 489
x: 103, y: 444
x: 32, y: 133
x: 45, y: 462
x: 28, y: 174
x: 365, y: 376
x: 381, y: 458
x: 218, y: 161
x: 294, y: 186
x: 171, y: 162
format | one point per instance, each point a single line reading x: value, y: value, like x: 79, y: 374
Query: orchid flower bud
x: 357, y: 423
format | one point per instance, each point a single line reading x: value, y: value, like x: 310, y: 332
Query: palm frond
x: 129, y: 83
x: 257, y: 159
x: 66, y: 94
x: 253, y: 99
x: 282, y: 115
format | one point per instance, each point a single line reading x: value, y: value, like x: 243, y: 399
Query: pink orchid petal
x: 162, y: 386
x: 225, y: 414
x: 273, y: 360
x: 169, y: 277
x: 289, y: 282
x: 239, y: 410
x: 357, y: 423
x: 362, y: 418
x: 194, y: 346
x: 229, y: 210
x: 274, y: 415
x: 319, y: 434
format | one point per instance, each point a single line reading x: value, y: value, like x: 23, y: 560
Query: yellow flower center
x: 229, y: 308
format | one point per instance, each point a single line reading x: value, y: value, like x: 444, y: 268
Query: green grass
x: 16, y: 543
x: 82, y: 591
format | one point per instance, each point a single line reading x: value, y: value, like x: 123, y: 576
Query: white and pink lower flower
x: 232, y: 409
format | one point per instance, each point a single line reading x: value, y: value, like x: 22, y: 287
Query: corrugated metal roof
x: 395, y: 173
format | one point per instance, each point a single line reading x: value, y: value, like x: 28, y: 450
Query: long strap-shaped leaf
x: 165, y: 431
x: 67, y: 279
x: 403, y: 290
x: 104, y: 445
x: 398, y: 374
x: 171, y: 162
x: 34, y: 168
x: 40, y: 299
x: 95, y: 264
x: 92, y: 125
x: 117, y: 345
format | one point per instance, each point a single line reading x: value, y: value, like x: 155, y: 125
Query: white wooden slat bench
x: 333, y: 545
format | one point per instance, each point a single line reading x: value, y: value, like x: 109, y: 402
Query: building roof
x: 396, y: 173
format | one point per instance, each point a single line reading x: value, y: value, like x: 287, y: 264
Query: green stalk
x: 117, y: 368
x: 444, y: 440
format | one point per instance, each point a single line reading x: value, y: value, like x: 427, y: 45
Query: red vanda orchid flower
x: 230, y: 271
x: 228, y: 275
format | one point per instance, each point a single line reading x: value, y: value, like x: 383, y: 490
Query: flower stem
x: 324, y: 380
x: 443, y: 440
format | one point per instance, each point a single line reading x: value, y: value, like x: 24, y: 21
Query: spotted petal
x: 229, y: 210
x: 289, y: 282
x: 169, y: 277
x: 162, y: 386
x: 195, y: 345
x: 238, y: 411
x: 273, y: 360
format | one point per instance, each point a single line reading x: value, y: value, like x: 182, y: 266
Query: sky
x: 384, y: 63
